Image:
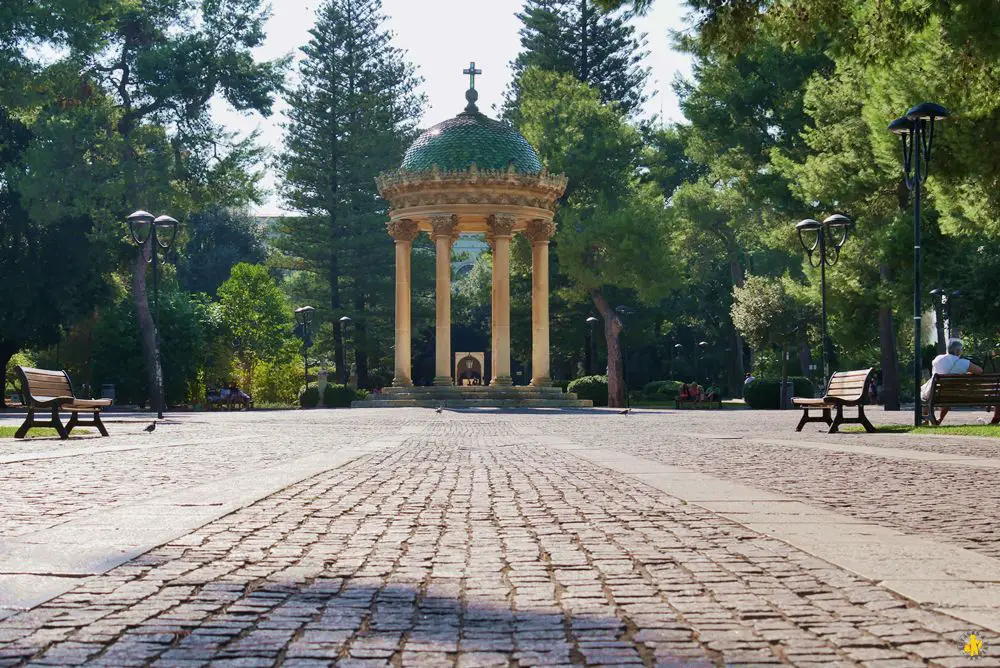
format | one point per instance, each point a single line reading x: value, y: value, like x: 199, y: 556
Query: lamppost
x: 831, y: 235
x: 916, y: 134
x: 159, y: 233
x: 591, y: 345
x: 304, y: 318
x: 625, y: 311
x: 344, y: 322
x: 702, y: 345
x: 678, y: 349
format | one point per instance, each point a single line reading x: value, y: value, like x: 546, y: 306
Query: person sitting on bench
x: 682, y: 393
x: 952, y: 364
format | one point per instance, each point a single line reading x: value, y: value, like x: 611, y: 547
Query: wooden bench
x: 43, y: 389
x: 847, y: 388
x: 961, y: 390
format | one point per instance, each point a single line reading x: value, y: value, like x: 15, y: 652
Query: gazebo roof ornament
x: 472, y: 95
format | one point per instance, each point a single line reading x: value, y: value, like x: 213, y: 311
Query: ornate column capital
x: 444, y: 226
x: 402, y: 230
x: 501, y: 225
x: 539, y: 230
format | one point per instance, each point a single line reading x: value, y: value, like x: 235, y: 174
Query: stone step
x: 473, y: 391
x: 454, y: 396
x: 474, y: 403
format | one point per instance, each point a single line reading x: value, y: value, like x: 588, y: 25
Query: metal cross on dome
x: 472, y: 72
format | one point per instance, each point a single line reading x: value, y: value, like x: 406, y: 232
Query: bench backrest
x: 42, y: 385
x: 966, y: 390
x: 849, y: 386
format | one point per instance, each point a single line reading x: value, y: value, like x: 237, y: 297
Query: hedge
x: 309, y: 398
x: 662, y: 389
x: 765, y: 393
x: 594, y: 388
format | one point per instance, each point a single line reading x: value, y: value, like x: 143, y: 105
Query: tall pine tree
x: 352, y: 116
x: 576, y: 37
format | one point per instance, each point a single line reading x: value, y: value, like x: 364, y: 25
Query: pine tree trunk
x: 805, y: 356
x: 736, y: 274
x: 890, y: 358
x: 140, y: 296
x: 336, y: 306
x: 612, y: 332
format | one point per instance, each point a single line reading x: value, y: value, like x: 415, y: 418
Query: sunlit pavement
x: 471, y: 538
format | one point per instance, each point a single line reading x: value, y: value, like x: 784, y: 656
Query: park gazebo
x: 472, y: 174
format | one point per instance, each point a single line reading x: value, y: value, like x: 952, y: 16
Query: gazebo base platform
x: 475, y: 396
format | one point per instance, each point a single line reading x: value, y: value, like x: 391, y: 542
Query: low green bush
x: 594, y: 388
x: 765, y: 393
x: 309, y: 398
x: 338, y: 396
x: 661, y: 389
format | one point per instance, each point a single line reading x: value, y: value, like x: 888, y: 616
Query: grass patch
x: 8, y: 432
x: 980, y: 430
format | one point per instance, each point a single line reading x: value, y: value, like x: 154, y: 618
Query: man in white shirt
x: 950, y: 364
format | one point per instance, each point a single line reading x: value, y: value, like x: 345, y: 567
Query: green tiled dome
x: 470, y: 138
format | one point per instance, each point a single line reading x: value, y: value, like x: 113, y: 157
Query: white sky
x: 441, y: 37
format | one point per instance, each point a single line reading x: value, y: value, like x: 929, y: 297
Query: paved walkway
x: 406, y: 537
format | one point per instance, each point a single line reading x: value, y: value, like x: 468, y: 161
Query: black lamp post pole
x: 591, y: 345
x: 304, y: 316
x: 916, y: 132
x: 625, y: 311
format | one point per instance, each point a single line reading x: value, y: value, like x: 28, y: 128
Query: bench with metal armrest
x: 44, y: 389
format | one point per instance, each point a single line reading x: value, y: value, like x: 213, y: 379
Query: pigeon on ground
x: 151, y: 427
x: 439, y: 409
x: 625, y: 412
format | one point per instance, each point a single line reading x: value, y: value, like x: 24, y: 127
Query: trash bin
x: 108, y: 392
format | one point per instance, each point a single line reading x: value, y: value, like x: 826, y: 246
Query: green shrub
x: 765, y: 393
x: 594, y: 388
x: 661, y: 389
x: 338, y: 396
x: 309, y: 398
x: 362, y: 394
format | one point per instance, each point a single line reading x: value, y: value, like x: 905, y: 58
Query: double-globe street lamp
x: 916, y: 133
x: 702, y: 347
x: 830, y: 237
x: 304, y: 318
x: 591, y: 345
x: 625, y: 311
x: 159, y: 232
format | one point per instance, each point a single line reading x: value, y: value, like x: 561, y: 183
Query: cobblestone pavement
x: 472, y: 544
x: 184, y: 451
x: 953, y: 502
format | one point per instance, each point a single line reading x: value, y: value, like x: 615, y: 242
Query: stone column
x: 443, y: 232
x: 493, y: 310
x: 403, y: 232
x: 539, y: 232
x: 501, y: 227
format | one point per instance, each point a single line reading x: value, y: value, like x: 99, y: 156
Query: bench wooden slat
x: 964, y: 390
x: 846, y: 388
x: 44, y: 388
